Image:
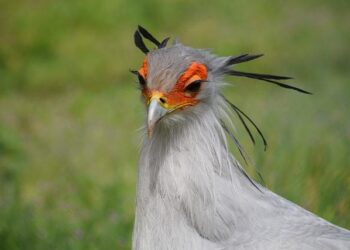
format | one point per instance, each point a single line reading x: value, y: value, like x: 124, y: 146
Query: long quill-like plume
x: 274, y: 79
x: 141, y: 33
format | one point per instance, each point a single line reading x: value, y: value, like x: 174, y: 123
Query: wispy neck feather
x: 189, y: 150
x: 192, y: 194
x: 187, y: 172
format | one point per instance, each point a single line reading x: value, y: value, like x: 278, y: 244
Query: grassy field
x: 69, y: 108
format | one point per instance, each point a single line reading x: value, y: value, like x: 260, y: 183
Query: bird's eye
x: 142, y: 80
x: 193, y: 87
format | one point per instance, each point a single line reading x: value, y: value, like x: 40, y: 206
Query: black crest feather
x: 148, y: 35
x: 263, y: 77
x: 241, y: 115
x: 139, y: 42
x: 164, y: 43
x: 268, y: 78
x: 242, y: 58
x: 141, y: 33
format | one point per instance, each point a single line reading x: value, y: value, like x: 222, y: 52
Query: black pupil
x: 194, y: 86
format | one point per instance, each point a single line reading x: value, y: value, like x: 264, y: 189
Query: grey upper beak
x: 155, y: 113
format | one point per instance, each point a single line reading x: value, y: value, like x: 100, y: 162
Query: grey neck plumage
x: 192, y: 194
x: 188, y: 182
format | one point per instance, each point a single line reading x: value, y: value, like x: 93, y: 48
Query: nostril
x: 162, y: 100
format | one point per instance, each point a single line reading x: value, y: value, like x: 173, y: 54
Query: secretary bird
x: 191, y: 191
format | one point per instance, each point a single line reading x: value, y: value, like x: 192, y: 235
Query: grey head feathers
x: 166, y: 64
x: 225, y: 62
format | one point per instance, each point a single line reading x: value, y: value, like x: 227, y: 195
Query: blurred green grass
x: 69, y: 109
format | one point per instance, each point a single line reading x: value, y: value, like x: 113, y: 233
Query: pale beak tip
x: 155, y: 113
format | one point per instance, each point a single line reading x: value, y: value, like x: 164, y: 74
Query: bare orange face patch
x: 144, y: 69
x: 179, y: 95
x: 195, y: 71
x: 185, y: 90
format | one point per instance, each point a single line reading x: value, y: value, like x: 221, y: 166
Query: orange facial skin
x: 177, y: 97
x: 144, y: 68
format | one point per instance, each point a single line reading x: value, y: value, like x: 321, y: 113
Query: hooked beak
x: 155, y: 113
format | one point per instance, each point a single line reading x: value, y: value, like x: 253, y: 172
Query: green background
x: 70, y: 109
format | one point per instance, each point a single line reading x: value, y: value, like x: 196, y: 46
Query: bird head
x: 176, y: 80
